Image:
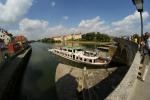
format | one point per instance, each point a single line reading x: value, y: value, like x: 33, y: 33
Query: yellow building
x: 68, y: 37
x: 77, y: 36
x: 57, y: 38
x: 73, y: 36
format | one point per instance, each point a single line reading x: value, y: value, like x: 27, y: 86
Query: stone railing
x: 127, y: 85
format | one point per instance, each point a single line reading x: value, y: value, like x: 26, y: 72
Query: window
x: 85, y: 59
x: 69, y: 50
x: 90, y: 60
x: 80, y: 58
x: 94, y: 61
x: 79, y: 50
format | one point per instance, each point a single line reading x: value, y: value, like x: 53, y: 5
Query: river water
x: 38, y: 81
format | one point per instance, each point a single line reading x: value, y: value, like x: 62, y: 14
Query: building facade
x: 3, y: 51
x: 20, y: 39
x: 58, y: 38
x: 77, y: 36
x: 6, y: 37
x: 68, y: 37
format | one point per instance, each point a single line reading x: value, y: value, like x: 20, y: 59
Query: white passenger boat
x: 77, y: 54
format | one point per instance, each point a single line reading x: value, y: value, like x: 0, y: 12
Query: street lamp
x: 139, y: 7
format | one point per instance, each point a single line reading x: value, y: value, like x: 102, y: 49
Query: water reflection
x: 38, y: 81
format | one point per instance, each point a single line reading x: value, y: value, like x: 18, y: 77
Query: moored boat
x: 77, y: 54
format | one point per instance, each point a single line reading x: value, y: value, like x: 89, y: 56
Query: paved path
x: 142, y: 89
x: 8, y: 71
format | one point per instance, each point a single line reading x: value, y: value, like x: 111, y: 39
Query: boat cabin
x: 79, y: 55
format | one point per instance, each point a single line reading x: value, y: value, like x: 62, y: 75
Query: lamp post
x: 139, y: 7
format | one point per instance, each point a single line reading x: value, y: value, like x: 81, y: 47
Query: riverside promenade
x: 10, y: 75
x: 142, y: 89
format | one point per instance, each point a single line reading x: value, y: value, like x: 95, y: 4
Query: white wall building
x: 5, y: 37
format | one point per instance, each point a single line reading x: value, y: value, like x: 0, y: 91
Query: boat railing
x: 90, y: 54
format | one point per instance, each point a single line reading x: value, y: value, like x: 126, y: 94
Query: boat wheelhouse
x: 77, y: 54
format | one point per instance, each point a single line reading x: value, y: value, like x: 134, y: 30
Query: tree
x: 88, y: 36
x: 96, y: 37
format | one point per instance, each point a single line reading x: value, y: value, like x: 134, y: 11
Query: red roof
x: 20, y: 38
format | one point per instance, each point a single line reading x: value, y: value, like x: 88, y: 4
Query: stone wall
x: 125, y: 88
x: 125, y: 52
x: 128, y: 53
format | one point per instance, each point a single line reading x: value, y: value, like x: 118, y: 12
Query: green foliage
x: 89, y: 36
x: 95, y: 37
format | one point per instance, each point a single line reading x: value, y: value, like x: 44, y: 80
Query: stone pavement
x: 142, y: 89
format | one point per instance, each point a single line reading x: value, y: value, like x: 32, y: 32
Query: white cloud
x: 129, y: 24
x: 95, y: 24
x: 147, y: 27
x: 131, y: 19
x: 35, y: 29
x: 53, y: 4
x: 65, y: 17
x: 12, y: 10
x: 28, y: 24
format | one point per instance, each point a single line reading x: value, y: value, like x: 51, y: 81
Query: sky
x: 46, y: 18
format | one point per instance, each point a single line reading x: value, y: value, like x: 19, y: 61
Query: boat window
x: 86, y: 54
x: 64, y: 49
x: 80, y: 58
x: 94, y: 61
x: 90, y: 60
x: 85, y: 59
x: 77, y: 58
x: 91, y: 54
x: 79, y: 50
x: 69, y: 50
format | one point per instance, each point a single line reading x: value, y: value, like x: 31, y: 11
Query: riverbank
x: 12, y: 73
x: 90, y: 42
